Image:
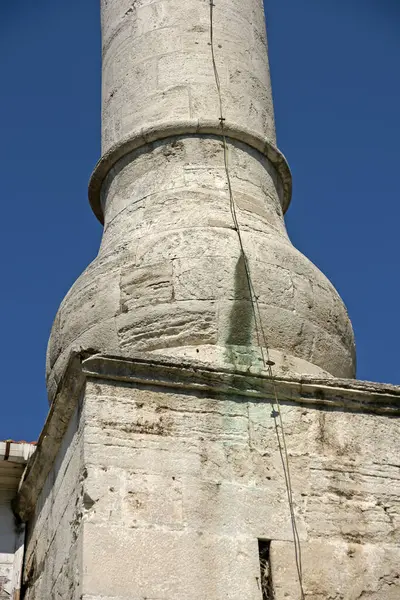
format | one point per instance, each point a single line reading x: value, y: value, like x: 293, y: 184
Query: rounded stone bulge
x: 171, y: 276
x: 177, y: 299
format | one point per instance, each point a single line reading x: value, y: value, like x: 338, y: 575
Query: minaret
x: 206, y: 440
x: 170, y: 276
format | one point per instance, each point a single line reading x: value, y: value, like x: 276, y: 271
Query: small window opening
x: 264, y: 547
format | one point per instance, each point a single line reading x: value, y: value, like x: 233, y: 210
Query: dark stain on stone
x: 241, y: 317
x: 130, y: 9
x: 199, y: 29
x: 321, y: 436
x: 347, y: 494
x: 160, y: 427
x: 88, y: 502
x: 32, y: 574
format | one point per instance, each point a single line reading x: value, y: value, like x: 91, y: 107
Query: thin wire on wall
x: 259, y: 328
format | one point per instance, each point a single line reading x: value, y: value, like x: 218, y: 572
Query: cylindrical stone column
x: 157, y: 69
x: 170, y: 276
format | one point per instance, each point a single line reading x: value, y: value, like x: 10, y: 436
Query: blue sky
x: 336, y: 80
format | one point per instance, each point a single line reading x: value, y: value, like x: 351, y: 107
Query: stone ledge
x: 174, y: 374
x: 146, y: 369
x: 163, y: 130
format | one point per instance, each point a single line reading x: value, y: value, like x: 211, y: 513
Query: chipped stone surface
x: 150, y: 284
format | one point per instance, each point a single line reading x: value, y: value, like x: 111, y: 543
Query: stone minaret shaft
x: 172, y: 466
x: 169, y: 277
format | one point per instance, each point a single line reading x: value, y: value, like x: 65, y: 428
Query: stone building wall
x: 185, y: 485
x: 181, y: 478
x: 7, y: 540
x: 52, y: 559
x: 13, y: 458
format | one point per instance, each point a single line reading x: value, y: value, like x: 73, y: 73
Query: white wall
x: 7, y: 537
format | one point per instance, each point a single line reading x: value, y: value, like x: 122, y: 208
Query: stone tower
x: 206, y: 439
x: 170, y: 277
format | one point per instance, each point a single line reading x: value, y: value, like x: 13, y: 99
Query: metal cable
x: 259, y: 328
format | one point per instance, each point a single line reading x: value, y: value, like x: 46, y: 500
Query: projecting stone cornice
x: 164, y: 130
x: 189, y: 377
x: 346, y: 394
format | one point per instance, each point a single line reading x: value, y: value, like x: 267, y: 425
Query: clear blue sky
x: 336, y: 79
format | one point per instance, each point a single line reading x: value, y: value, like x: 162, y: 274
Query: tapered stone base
x: 171, y: 278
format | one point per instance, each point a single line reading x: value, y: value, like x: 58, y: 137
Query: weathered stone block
x: 337, y: 569
x: 171, y: 564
